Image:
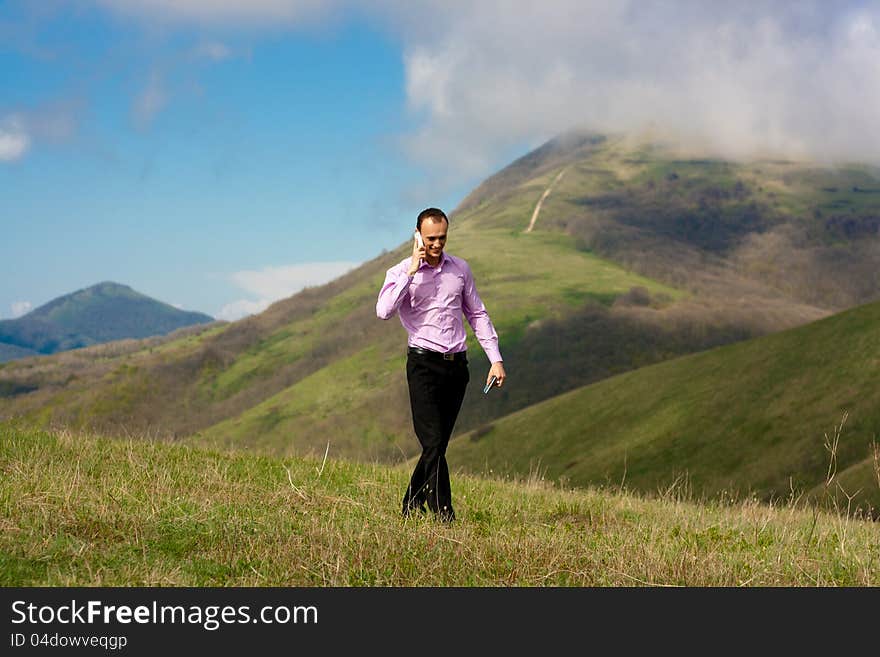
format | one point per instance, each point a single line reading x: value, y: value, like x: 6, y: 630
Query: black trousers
x: 436, y: 390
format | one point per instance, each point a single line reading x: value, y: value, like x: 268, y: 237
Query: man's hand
x: 418, y: 255
x: 497, y: 370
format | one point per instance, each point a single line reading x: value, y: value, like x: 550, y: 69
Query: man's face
x: 434, y: 235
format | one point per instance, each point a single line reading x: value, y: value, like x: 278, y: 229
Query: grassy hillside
x: 810, y: 233
x: 243, y: 377
x: 76, y: 510
x: 749, y: 417
x: 97, y: 314
x: 639, y: 254
x: 358, y: 403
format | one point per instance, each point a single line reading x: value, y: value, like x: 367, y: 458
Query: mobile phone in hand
x: 490, y: 384
x: 419, y: 239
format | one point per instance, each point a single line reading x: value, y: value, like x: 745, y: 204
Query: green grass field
x: 751, y: 417
x: 76, y: 510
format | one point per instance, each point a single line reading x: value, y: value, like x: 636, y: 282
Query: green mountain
x: 595, y: 255
x: 101, y: 313
x: 746, y: 418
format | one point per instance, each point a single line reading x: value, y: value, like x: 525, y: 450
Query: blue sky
x: 183, y: 161
x: 219, y: 155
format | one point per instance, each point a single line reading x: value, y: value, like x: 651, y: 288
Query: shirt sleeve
x: 393, y: 292
x: 478, y: 318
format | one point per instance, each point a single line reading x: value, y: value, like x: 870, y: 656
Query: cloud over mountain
x: 20, y: 308
x: 793, y: 78
x: 800, y: 79
x: 14, y: 139
x: 270, y: 284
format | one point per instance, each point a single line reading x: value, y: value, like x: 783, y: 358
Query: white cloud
x: 785, y: 77
x: 273, y: 283
x: 14, y: 139
x: 737, y: 78
x: 150, y: 101
x: 267, y: 13
x: 242, y: 308
x: 55, y: 121
x: 213, y: 50
x: 279, y: 282
x: 20, y: 308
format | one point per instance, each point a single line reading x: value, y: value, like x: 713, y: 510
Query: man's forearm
x: 486, y: 335
x: 392, y: 294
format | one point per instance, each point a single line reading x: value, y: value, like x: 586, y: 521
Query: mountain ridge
x: 96, y: 314
x: 639, y: 256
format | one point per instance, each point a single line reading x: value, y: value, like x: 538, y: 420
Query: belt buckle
x: 449, y: 356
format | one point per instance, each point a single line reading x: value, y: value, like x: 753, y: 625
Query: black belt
x: 458, y: 355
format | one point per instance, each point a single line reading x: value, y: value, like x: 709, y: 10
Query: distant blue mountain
x: 101, y: 313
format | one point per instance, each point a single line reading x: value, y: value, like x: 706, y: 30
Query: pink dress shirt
x: 431, y: 304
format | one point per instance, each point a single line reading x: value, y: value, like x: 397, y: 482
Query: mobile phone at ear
x: 490, y: 384
x: 418, y: 237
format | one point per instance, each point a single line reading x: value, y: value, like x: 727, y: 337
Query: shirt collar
x: 440, y: 264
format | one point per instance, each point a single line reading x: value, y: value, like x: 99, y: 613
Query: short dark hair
x: 430, y: 213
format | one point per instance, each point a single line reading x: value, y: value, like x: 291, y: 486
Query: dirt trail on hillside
x: 541, y: 200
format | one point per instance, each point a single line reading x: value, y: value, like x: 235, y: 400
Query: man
x: 430, y: 291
